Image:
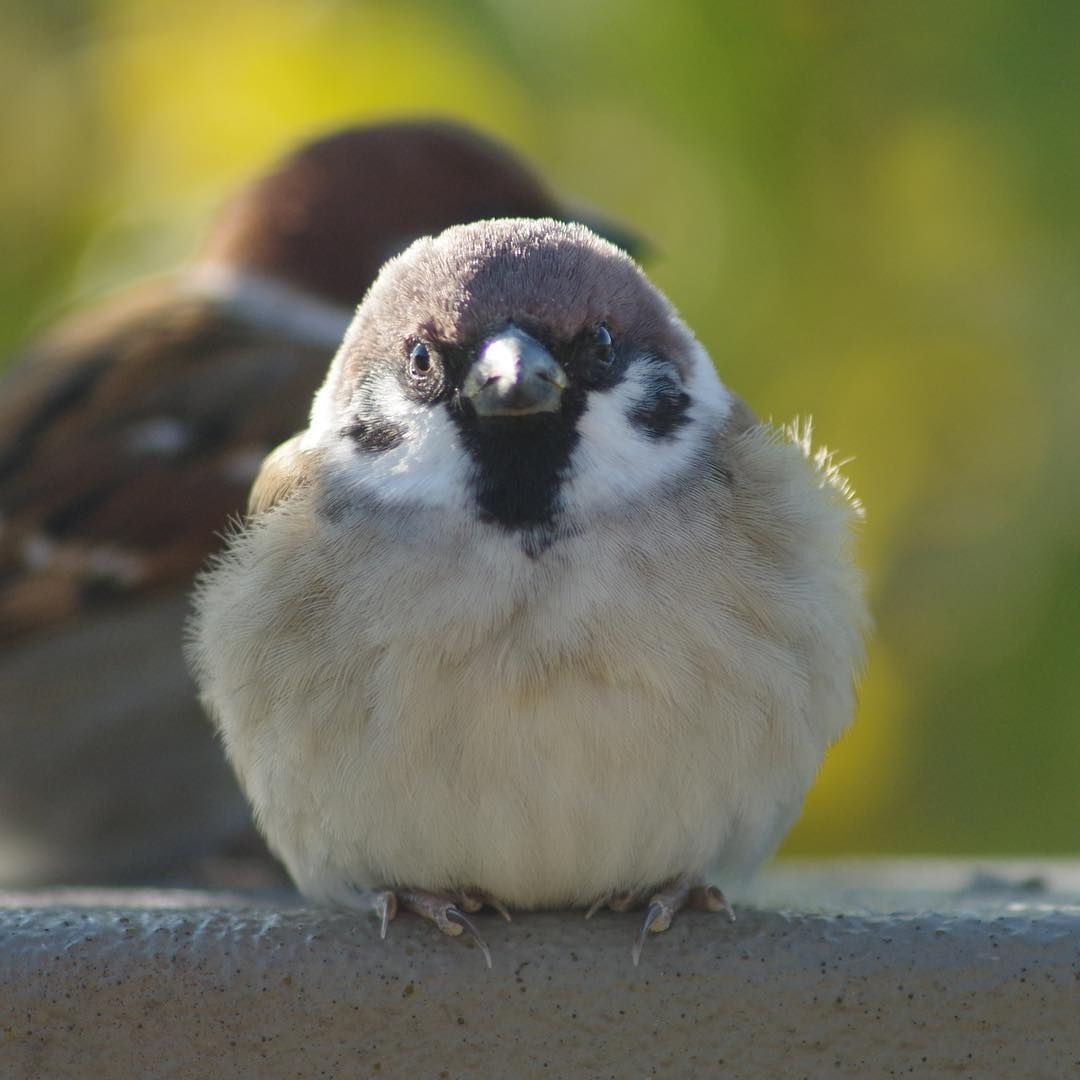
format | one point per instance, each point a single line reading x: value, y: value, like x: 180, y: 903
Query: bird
x: 536, y: 613
x: 128, y: 437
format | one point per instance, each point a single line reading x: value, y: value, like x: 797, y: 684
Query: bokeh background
x: 869, y: 212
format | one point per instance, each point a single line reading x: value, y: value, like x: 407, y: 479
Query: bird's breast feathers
x: 534, y: 606
x: 651, y: 693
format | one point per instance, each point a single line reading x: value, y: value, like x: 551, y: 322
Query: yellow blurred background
x: 869, y: 213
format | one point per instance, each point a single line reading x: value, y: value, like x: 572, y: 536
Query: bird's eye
x: 605, y: 347
x: 419, y: 361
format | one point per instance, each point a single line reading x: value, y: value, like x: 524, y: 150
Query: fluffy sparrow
x: 535, y: 613
x: 129, y: 436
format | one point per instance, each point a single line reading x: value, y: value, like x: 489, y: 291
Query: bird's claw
x: 455, y: 922
x: 497, y: 906
x: 613, y: 902
x: 384, y: 904
x: 658, y: 916
x: 665, y: 903
x: 710, y: 898
x: 596, y: 906
x: 473, y: 902
x: 449, y: 916
x: 657, y: 919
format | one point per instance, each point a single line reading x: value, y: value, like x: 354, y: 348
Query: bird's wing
x: 127, y: 441
x: 781, y: 488
x: 790, y: 512
x: 285, y: 471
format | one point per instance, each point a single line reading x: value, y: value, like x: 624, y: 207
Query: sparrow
x: 535, y: 613
x: 129, y: 436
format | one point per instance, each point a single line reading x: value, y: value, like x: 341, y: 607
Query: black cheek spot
x: 662, y: 413
x: 375, y: 436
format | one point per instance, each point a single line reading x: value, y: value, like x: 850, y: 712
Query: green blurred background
x: 869, y: 212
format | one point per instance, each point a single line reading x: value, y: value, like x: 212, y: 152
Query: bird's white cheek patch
x: 616, y: 462
x: 429, y: 468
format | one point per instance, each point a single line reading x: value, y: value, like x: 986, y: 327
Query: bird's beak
x: 514, y: 375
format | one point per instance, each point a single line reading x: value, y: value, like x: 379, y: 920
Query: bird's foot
x: 663, y: 906
x: 446, y: 912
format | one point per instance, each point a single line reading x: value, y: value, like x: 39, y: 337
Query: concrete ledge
x: 120, y: 984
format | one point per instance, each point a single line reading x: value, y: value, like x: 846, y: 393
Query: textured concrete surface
x: 940, y: 969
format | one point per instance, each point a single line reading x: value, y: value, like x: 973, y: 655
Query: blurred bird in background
x: 127, y: 438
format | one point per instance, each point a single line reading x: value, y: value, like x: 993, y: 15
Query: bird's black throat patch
x: 520, y: 461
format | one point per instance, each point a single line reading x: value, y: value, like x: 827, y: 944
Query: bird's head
x: 522, y: 371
